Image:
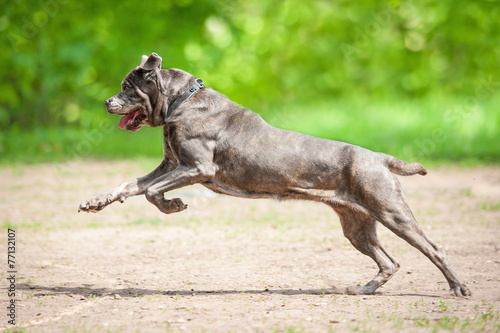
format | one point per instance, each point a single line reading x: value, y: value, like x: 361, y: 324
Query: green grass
x: 489, y: 206
x: 431, y: 130
x: 486, y: 320
x: 61, y: 144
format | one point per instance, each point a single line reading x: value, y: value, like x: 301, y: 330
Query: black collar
x: 197, y: 85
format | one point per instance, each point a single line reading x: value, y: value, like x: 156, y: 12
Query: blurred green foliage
x: 405, y: 69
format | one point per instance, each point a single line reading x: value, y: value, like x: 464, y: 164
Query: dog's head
x: 146, y: 92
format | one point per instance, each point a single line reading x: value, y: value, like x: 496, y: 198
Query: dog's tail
x: 402, y: 168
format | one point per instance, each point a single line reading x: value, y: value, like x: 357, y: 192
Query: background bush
x: 415, y: 79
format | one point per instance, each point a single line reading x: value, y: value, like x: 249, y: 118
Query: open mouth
x: 132, y: 120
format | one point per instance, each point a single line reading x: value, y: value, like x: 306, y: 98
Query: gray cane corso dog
x: 209, y: 140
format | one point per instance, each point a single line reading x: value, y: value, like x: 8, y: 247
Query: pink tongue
x: 125, y: 119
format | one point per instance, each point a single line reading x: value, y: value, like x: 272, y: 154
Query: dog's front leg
x: 120, y: 193
x: 183, y: 175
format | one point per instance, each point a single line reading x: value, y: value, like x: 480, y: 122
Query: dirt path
x: 229, y: 264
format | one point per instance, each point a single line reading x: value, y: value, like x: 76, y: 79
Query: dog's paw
x: 172, y: 206
x: 95, y: 204
x: 461, y: 291
x: 367, y: 289
x: 179, y: 205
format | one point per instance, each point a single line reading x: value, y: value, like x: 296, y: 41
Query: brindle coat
x: 231, y: 150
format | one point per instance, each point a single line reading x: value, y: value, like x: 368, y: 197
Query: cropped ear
x: 143, y: 61
x: 153, y: 62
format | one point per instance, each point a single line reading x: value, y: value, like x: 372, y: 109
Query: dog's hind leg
x: 400, y: 220
x: 361, y: 231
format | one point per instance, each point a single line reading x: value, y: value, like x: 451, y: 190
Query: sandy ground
x: 229, y: 264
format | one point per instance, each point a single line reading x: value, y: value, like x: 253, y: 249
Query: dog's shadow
x: 87, y: 291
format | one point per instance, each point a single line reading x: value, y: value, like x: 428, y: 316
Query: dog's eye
x: 126, y: 87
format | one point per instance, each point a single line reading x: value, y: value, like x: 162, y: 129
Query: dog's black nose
x: 107, y: 102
